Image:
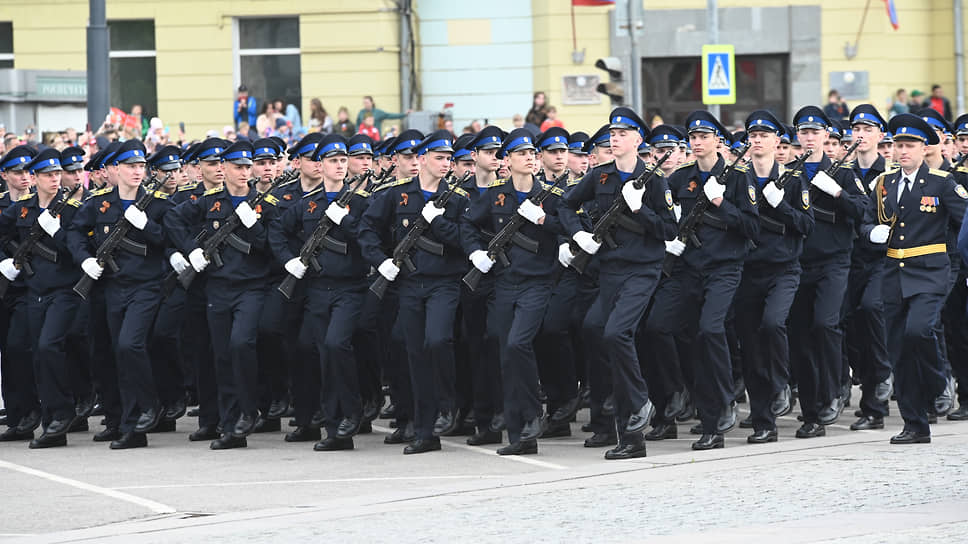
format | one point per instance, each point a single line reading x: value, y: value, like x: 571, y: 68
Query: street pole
x: 712, y: 24
x: 98, y: 74
x: 635, y: 58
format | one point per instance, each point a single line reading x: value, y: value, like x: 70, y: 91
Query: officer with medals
x: 816, y: 338
x: 16, y: 364
x: 334, y: 291
x: 913, y: 209
x: 132, y: 293
x: 235, y: 291
x: 865, y: 332
x: 629, y: 272
x: 51, y: 304
x: 771, y: 273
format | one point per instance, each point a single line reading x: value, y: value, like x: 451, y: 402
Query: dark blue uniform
x: 916, y: 279
x: 771, y: 274
x: 428, y: 296
x: 132, y: 294
x: 628, y: 277
x: 521, y: 291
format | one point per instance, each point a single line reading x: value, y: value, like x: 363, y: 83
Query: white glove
x: 295, y: 267
x: 136, y: 217
x: 713, y: 189
x: 826, y: 184
x: 49, y: 223
x: 246, y: 214
x: 676, y: 247
x: 587, y: 242
x: 431, y: 212
x: 388, y: 270
x: 198, y: 260
x: 335, y: 213
x: 91, y: 268
x: 481, y: 261
x: 8, y: 269
x: 178, y: 262
x: 633, y: 196
x: 564, y: 255
x: 773, y: 195
x: 880, y: 233
x: 531, y: 211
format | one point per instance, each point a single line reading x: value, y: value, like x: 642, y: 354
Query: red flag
x: 593, y: 2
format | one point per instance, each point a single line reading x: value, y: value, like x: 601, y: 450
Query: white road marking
x: 519, y: 458
x: 324, y: 481
x: 155, y: 507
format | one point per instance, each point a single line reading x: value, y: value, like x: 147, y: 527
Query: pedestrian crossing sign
x: 718, y: 74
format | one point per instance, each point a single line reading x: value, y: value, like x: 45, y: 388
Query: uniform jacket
x: 782, y: 229
x: 835, y: 218
x: 16, y: 223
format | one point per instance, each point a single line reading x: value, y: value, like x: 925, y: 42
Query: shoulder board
x: 214, y: 191
x: 938, y: 172
x: 363, y: 193
x: 103, y: 191
x: 962, y: 169
x: 684, y: 165
x: 461, y: 192
x: 27, y: 196
x: 741, y: 168
x: 497, y: 182
x: 161, y: 195
x: 271, y: 200
x: 573, y: 182
x: 554, y: 190
x: 849, y: 165
x: 187, y: 187
x: 4, y: 194
x: 392, y: 184
x: 890, y: 170
x: 781, y: 169
x: 75, y: 203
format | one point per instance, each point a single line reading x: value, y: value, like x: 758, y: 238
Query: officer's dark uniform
x: 477, y: 346
x: 236, y: 293
x: 955, y: 318
x: 16, y: 368
x: 334, y: 298
x: 919, y: 207
x: 771, y: 274
x: 51, y: 304
x: 698, y: 295
x: 132, y: 294
x: 522, y: 291
x: 628, y: 277
x: 816, y: 337
x: 865, y: 333
x: 429, y: 295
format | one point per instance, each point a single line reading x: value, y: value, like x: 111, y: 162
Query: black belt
x: 772, y: 225
x: 713, y: 221
x: 827, y: 216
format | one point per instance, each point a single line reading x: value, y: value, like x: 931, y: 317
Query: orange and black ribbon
x: 312, y: 206
x: 404, y: 199
x: 217, y: 207
x: 692, y: 186
x: 603, y: 179
x: 23, y: 213
x: 104, y: 206
x: 500, y: 199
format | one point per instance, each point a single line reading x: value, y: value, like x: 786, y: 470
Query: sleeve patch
x: 752, y: 193
x: 805, y: 199
x: 961, y: 192
x: 668, y: 198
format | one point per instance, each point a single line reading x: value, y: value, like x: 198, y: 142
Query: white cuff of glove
x: 198, y: 260
x: 713, y: 189
x: 136, y: 217
x: 295, y: 267
x: 879, y: 234
x: 481, y: 261
x: 91, y: 268
x: 675, y: 247
x: 826, y: 184
x: 49, y: 223
x: 8, y: 269
x: 586, y: 241
x: 246, y: 214
x: 388, y: 270
x: 178, y: 262
x: 335, y: 213
x: 565, y: 256
x: 633, y: 196
x: 431, y: 212
x: 531, y: 211
x: 774, y: 196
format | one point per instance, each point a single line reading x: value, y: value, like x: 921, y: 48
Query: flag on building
x: 891, y: 12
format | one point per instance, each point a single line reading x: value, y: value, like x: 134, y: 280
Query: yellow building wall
x: 349, y: 48
x: 552, y: 56
x: 917, y: 55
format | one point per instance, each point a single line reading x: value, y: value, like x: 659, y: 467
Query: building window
x: 267, y: 59
x: 133, y: 74
x: 6, y: 45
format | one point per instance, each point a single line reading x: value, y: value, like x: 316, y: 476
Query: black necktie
x: 904, y: 190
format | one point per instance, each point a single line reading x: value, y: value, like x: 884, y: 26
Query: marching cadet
x: 783, y: 149
x: 771, y: 273
x: 265, y: 162
x: 885, y: 147
x: 404, y: 152
x: 599, y: 148
x: 165, y: 346
x: 917, y: 269
x: 132, y: 293
x: 71, y: 159
x: 478, y: 343
x: 51, y: 305
x: 958, y: 299
x: 816, y: 343
x: 334, y: 293
x: 865, y: 332
x: 428, y: 295
x: 360, y: 156
x: 698, y: 294
x: 463, y: 161
x: 665, y: 138
x: 577, y: 156
x: 629, y: 272
x: 19, y: 389
x: 235, y: 291
x: 523, y: 289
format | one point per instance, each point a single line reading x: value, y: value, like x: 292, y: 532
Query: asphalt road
x: 847, y: 485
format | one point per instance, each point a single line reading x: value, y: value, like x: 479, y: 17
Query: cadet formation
x: 491, y: 286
